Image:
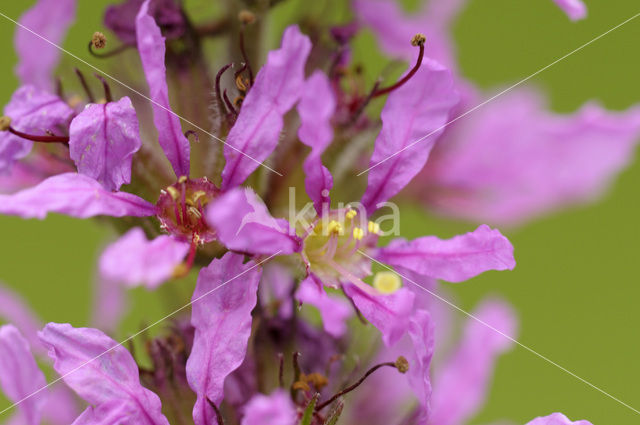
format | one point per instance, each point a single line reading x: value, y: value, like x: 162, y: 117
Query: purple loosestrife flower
x: 487, y: 166
x: 328, y: 247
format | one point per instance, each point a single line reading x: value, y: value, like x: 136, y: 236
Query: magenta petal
x: 114, y: 375
x: 461, y: 386
x: 274, y: 409
x: 20, y: 376
x: 134, y: 260
x: 244, y: 224
x: 109, y: 305
x: 389, y: 313
x: 75, y: 195
x: 421, y: 332
x: 277, y: 88
x: 115, y: 412
x: 14, y: 310
x: 151, y: 48
x: 334, y: 311
x: 454, y: 260
x: 225, y: 294
x: 102, y: 141
x: 575, y: 9
x: 32, y: 111
x: 316, y: 109
x: 556, y: 419
x: 515, y: 160
x: 38, y: 58
x: 121, y: 18
x: 418, y: 109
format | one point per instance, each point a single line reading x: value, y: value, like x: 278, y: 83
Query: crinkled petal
x: 20, y: 376
x: 102, y: 141
x: 316, y: 108
x: 389, y: 313
x: 244, y: 224
x: 421, y: 331
x: 115, y: 412
x: 412, y: 120
x: 152, y: 48
x: 225, y: 294
x: 575, y: 9
x: 121, y: 18
x: 100, y: 370
x: 274, y: 409
x: 33, y: 111
x: 334, y: 311
x: 75, y: 195
x: 134, y: 260
x: 38, y: 58
x: 454, y: 260
x: 277, y: 88
x: 515, y: 160
x: 557, y: 419
x: 461, y: 386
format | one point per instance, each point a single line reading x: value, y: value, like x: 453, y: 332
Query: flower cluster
x: 249, y: 350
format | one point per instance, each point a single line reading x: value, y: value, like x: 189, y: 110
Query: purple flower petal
x: 225, y: 294
x: 575, y: 9
x: 115, y: 412
x: 244, y: 224
x: 454, y: 260
x: 37, y: 58
x: 134, y: 260
x: 277, y: 88
x: 113, y: 376
x: 32, y: 111
x: 75, y: 195
x: 102, y: 141
x: 109, y: 305
x: 416, y: 110
x: 334, y: 311
x: 14, y: 310
x: 515, y: 160
x: 421, y: 331
x: 460, y: 387
x: 316, y: 109
x: 121, y: 18
x: 556, y: 419
x: 152, y: 51
x: 274, y: 409
x: 20, y: 375
x: 389, y: 313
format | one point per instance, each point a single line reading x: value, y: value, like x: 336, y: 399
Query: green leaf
x: 335, y: 413
x: 308, y: 412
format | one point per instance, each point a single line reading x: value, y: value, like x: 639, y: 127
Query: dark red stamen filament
x: 107, y: 89
x: 354, y: 385
x: 192, y: 252
x: 41, y: 139
x: 228, y: 103
x: 85, y: 86
x: 218, y: 92
x: 245, y: 57
x: 192, y: 133
x: 113, y: 52
x: 404, y: 79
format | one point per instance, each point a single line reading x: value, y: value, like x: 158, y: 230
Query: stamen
x: 228, y: 103
x: 418, y: 40
x: 281, y: 370
x: 334, y: 227
x: 218, y: 92
x: 373, y: 227
x: 361, y: 380
x: 5, y: 123
x: 387, y: 282
x: 358, y: 233
x: 246, y: 18
x: 85, y: 86
x: 219, y: 417
x: 6, y: 126
x: 107, y: 89
x: 99, y: 41
x: 351, y: 214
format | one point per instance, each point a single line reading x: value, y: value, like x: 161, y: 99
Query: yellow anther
x: 197, y: 195
x: 182, y: 179
x: 5, y: 123
x: 334, y: 227
x: 358, y: 233
x: 173, y: 192
x: 351, y: 214
x: 98, y: 40
x: 373, y: 227
x: 387, y: 282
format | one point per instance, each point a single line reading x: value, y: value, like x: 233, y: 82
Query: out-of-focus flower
x: 275, y: 409
x: 121, y: 18
x: 575, y: 9
x: 512, y: 160
x: 557, y: 419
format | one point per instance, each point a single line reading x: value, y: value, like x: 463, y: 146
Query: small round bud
x: 402, y: 364
x: 5, y: 123
x: 418, y: 40
x: 246, y: 17
x: 98, y: 40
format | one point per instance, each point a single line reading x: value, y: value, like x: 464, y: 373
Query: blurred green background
x: 575, y: 284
